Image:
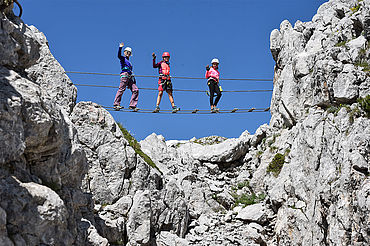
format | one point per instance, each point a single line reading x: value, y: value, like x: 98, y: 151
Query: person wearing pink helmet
x: 164, y: 82
x: 213, y: 77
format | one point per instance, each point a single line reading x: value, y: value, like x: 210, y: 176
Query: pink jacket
x: 215, y: 74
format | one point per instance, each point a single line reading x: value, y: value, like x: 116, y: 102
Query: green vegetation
x: 365, y: 105
x: 363, y: 52
x: 287, y: 151
x: 354, y: 113
x: 339, y: 169
x: 364, y: 64
x: 273, y: 148
x: 363, y: 61
x: 341, y: 44
x: 178, y: 145
x: 136, y: 146
x: 335, y: 109
x: 346, y: 106
x: 241, y: 185
x: 245, y: 199
x: 104, y: 204
x: 119, y: 242
x: 272, y: 141
x: 332, y: 110
x: 263, y: 143
x: 355, y: 8
x: 210, y: 140
x: 263, y: 140
x: 259, y: 153
x: 276, y: 164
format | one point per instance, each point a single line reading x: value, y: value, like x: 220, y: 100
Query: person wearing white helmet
x: 213, y: 77
x: 127, y: 79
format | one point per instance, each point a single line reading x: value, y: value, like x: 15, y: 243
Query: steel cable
x: 183, y: 90
x: 175, y: 77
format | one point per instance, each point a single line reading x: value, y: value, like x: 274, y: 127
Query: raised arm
x: 207, y: 72
x: 155, y: 65
x: 120, y: 51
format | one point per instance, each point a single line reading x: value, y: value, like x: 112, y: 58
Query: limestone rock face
x: 135, y: 200
x: 36, y: 213
x: 253, y: 213
x: 326, y: 166
x: 319, y: 75
x: 20, y: 44
x: 320, y: 63
x: 41, y: 160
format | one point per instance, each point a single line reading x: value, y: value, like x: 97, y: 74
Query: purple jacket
x: 125, y: 63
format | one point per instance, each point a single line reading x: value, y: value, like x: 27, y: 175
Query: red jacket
x: 163, y: 67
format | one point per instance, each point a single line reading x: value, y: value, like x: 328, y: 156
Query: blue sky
x: 84, y: 35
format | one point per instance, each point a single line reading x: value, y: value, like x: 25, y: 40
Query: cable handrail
x: 183, y: 90
x: 175, y: 77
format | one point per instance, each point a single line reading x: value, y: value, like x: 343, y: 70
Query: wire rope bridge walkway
x: 183, y: 111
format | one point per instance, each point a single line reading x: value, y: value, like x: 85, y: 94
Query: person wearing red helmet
x: 164, y: 82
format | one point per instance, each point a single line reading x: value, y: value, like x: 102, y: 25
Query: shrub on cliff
x: 276, y: 164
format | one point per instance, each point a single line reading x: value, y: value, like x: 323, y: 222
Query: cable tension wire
x: 175, y: 77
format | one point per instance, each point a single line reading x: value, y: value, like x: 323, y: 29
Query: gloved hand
x: 121, y: 45
x: 154, y: 56
x: 207, y: 67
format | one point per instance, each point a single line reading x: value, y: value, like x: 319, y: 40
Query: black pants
x: 214, y: 88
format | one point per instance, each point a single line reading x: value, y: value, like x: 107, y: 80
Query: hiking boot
x: 156, y: 110
x: 117, y: 107
x: 135, y: 109
x: 175, y: 109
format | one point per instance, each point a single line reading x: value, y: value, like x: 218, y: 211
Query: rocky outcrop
x: 209, y: 183
x: 41, y: 160
x: 320, y: 63
x: 321, y: 70
x: 70, y: 175
x: 317, y: 127
x: 134, y: 202
x: 69, y: 166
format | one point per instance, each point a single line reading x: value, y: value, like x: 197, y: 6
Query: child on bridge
x: 213, y: 76
x: 164, y: 82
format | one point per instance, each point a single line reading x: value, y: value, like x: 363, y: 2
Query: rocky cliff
x: 70, y: 175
